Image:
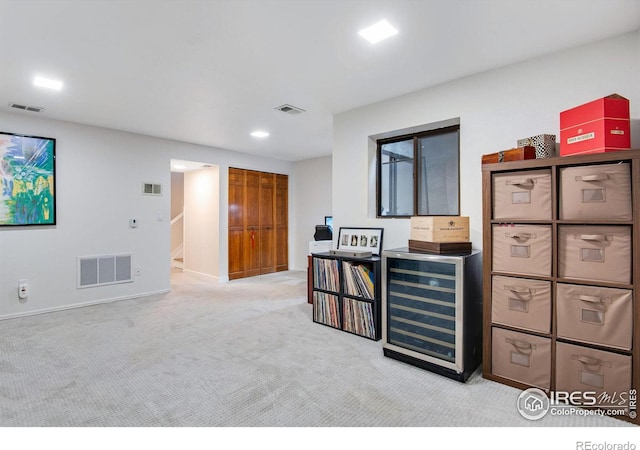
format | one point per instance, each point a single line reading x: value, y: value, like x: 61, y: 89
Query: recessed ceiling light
x: 260, y: 134
x: 47, y: 83
x: 377, y: 32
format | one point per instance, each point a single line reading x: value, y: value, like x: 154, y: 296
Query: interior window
x: 418, y: 175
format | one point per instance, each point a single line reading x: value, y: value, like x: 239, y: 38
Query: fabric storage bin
x: 601, y: 192
x: 596, y: 315
x: 580, y: 369
x: 595, y: 253
x: 521, y: 303
x: 522, y: 195
x: 521, y: 357
x: 522, y: 249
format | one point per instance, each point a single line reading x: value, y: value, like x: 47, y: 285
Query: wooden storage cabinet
x: 432, y: 311
x: 346, y: 293
x: 560, y: 292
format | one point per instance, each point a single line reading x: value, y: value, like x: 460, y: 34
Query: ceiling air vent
x: 26, y: 107
x: 290, y: 109
x: 151, y: 189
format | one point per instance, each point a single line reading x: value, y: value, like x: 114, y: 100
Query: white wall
x: 495, y: 108
x: 311, y: 186
x: 98, y: 189
x: 177, y: 193
x: 177, y: 207
x: 201, y: 222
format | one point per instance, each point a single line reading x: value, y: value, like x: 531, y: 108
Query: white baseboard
x: 80, y: 305
x: 206, y: 276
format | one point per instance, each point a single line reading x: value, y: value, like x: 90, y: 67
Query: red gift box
x: 596, y: 127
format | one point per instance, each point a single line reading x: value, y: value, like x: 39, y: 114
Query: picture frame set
x: 363, y: 239
x: 27, y: 180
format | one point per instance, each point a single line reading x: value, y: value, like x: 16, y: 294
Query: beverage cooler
x: 432, y: 310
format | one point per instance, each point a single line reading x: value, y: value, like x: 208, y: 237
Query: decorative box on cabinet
x: 432, y: 310
x: 575, y: 325
x: 346, y: 293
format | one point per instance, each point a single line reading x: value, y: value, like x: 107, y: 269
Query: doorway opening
x: 195, y: 217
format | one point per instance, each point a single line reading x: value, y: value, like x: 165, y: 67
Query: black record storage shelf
x: 346, y: 293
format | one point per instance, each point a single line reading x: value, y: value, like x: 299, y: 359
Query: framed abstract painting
x: 27, y: 180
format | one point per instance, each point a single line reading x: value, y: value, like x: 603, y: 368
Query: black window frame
x: 416, y: 169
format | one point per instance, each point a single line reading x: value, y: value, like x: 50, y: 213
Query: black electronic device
x: 323, y: 233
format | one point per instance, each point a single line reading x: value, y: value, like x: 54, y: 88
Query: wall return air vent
x: 104, y: 269
x: 289, y: 109
x: 151, y: 189
x: 26, y: 107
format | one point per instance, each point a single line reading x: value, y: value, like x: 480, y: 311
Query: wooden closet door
x: 252, y: 236
x: 258, y: 222
x: 236, y: 222
x: 267, y: 223
x: 282, y: 221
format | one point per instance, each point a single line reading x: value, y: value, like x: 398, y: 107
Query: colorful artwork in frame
x: 27, y: 180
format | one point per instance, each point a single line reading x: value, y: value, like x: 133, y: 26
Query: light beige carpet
x: 239, y: 354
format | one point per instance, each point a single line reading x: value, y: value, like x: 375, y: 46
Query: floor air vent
x: 104, y: 269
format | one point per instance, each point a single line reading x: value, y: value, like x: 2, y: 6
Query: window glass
x: 438, y: 174
x: 418, y: 174
x: 396, y: 178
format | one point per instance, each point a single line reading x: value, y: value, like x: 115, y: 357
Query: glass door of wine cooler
x: 423, y: 307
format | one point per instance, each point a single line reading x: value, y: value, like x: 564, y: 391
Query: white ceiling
x: 210, y: 72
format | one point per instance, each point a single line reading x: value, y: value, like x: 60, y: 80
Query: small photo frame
x: 367, y: 239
